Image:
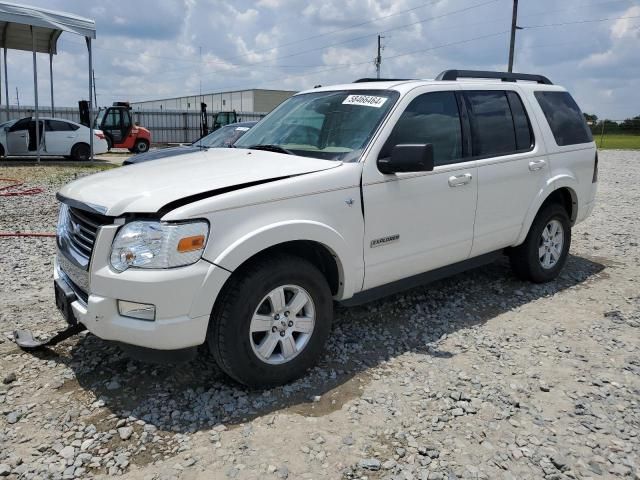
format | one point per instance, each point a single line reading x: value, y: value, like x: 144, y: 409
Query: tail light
x: 595, y: 170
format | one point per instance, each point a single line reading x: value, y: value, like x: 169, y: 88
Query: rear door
x: 416, y: 222
x: 18, y: 137
x: 60, y: 136
x: 512, y: 165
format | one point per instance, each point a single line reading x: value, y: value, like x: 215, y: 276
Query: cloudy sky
x: 148, y: 49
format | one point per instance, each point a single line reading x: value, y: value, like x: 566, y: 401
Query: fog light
x: 141, y: 311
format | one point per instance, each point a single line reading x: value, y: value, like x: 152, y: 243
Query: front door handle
x: 459, y: 180
x: 536, y: 165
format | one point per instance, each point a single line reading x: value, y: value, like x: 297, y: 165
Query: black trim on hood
x: 87, y: 207
x: 212, y: 193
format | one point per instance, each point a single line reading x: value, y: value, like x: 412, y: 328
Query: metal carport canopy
x: 37, y: 30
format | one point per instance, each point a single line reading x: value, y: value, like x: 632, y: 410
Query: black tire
x: 228, y: 336
x: 81, y: 152
x: 525, y: 259
x: 141, y: 146
x: 1, y: 151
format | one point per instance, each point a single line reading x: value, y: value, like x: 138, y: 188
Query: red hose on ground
x: 13, y: 190
x: 27, y: 234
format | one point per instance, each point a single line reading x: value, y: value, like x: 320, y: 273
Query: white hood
x: 149, y: 186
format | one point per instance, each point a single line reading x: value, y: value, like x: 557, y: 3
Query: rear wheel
x: 81, y: 152
x: 271, y: 322
x: 141, y: 146
x: 544, y: 252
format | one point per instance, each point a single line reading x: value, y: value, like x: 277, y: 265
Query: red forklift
x: 117, y: 124
x: 220, y: 119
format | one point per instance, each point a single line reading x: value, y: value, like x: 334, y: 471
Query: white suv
x: 343, y: 193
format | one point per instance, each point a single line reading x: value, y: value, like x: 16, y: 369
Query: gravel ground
x: 478, y: 376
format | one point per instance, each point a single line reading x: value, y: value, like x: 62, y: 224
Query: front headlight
x: 149, y: 244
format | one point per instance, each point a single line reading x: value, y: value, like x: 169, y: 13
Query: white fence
x: 166, y: 126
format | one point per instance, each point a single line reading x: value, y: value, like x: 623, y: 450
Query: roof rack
x: 363, y: 80
x: 504, y: 76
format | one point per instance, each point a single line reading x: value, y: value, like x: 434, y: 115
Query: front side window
x: 565, y: 118
x: 430, y: 118
x: 334, y: 125
x: 22, y: 124
x: 492, y: 125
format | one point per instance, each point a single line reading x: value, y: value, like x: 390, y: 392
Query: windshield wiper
x: 271, y: 148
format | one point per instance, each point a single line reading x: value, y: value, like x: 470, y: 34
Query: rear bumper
x: 585, y: 210
x: 183, y: 298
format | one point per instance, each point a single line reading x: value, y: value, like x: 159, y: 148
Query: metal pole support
x: 35, y: 92
x: 88, y: 39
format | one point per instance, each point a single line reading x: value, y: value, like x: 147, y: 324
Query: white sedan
x: 58, y: 138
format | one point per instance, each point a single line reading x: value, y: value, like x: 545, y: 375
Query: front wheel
x: 271, y: 322
x: 544, y: 252
x: 141, y: 146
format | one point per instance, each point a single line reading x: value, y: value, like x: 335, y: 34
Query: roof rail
x: 504, y: 76
x: 363, y: 80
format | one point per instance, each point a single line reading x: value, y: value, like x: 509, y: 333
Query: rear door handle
x: 536, y: 165
x: 459, y: 180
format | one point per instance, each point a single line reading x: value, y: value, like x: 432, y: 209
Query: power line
x: 332, y: 32
x: 578, y: 22
x: 353, y: 39
x: 366, y: 62
x: 339, y: 66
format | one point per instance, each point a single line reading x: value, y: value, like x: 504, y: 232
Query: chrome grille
x: 77, y: 231
x: 82, y: 231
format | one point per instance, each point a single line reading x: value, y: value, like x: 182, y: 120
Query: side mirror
x: 408, y: 158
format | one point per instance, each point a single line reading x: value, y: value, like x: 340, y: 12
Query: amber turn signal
x: 189, y: 244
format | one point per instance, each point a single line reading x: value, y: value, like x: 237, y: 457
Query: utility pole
x: 378, y: 61
x: 514, y: 27
x: 17, y: 98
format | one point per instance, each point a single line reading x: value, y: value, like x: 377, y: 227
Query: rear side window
x: 492, y: 126
x: 430, y: 118
x: 565, y: 118
x: 521, y: 124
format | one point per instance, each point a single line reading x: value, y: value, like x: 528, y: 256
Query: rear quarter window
x: 564, y: 117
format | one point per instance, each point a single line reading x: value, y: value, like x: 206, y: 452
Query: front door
x: 18, y: 137
x: 116, y: 125
x: 416, y: 222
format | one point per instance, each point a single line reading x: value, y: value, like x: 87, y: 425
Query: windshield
x: 334, y: 125
x: 223, y: 137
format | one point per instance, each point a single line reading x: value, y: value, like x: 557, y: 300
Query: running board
x: 25, y: 340
x: 376, y: 293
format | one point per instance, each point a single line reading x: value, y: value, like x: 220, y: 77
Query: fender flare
x: 555, y: 183
x: 350, y: 271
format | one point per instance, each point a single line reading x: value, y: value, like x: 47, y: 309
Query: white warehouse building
x: 254, y: 100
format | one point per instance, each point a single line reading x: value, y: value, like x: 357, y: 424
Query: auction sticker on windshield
x: 365, y: 100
